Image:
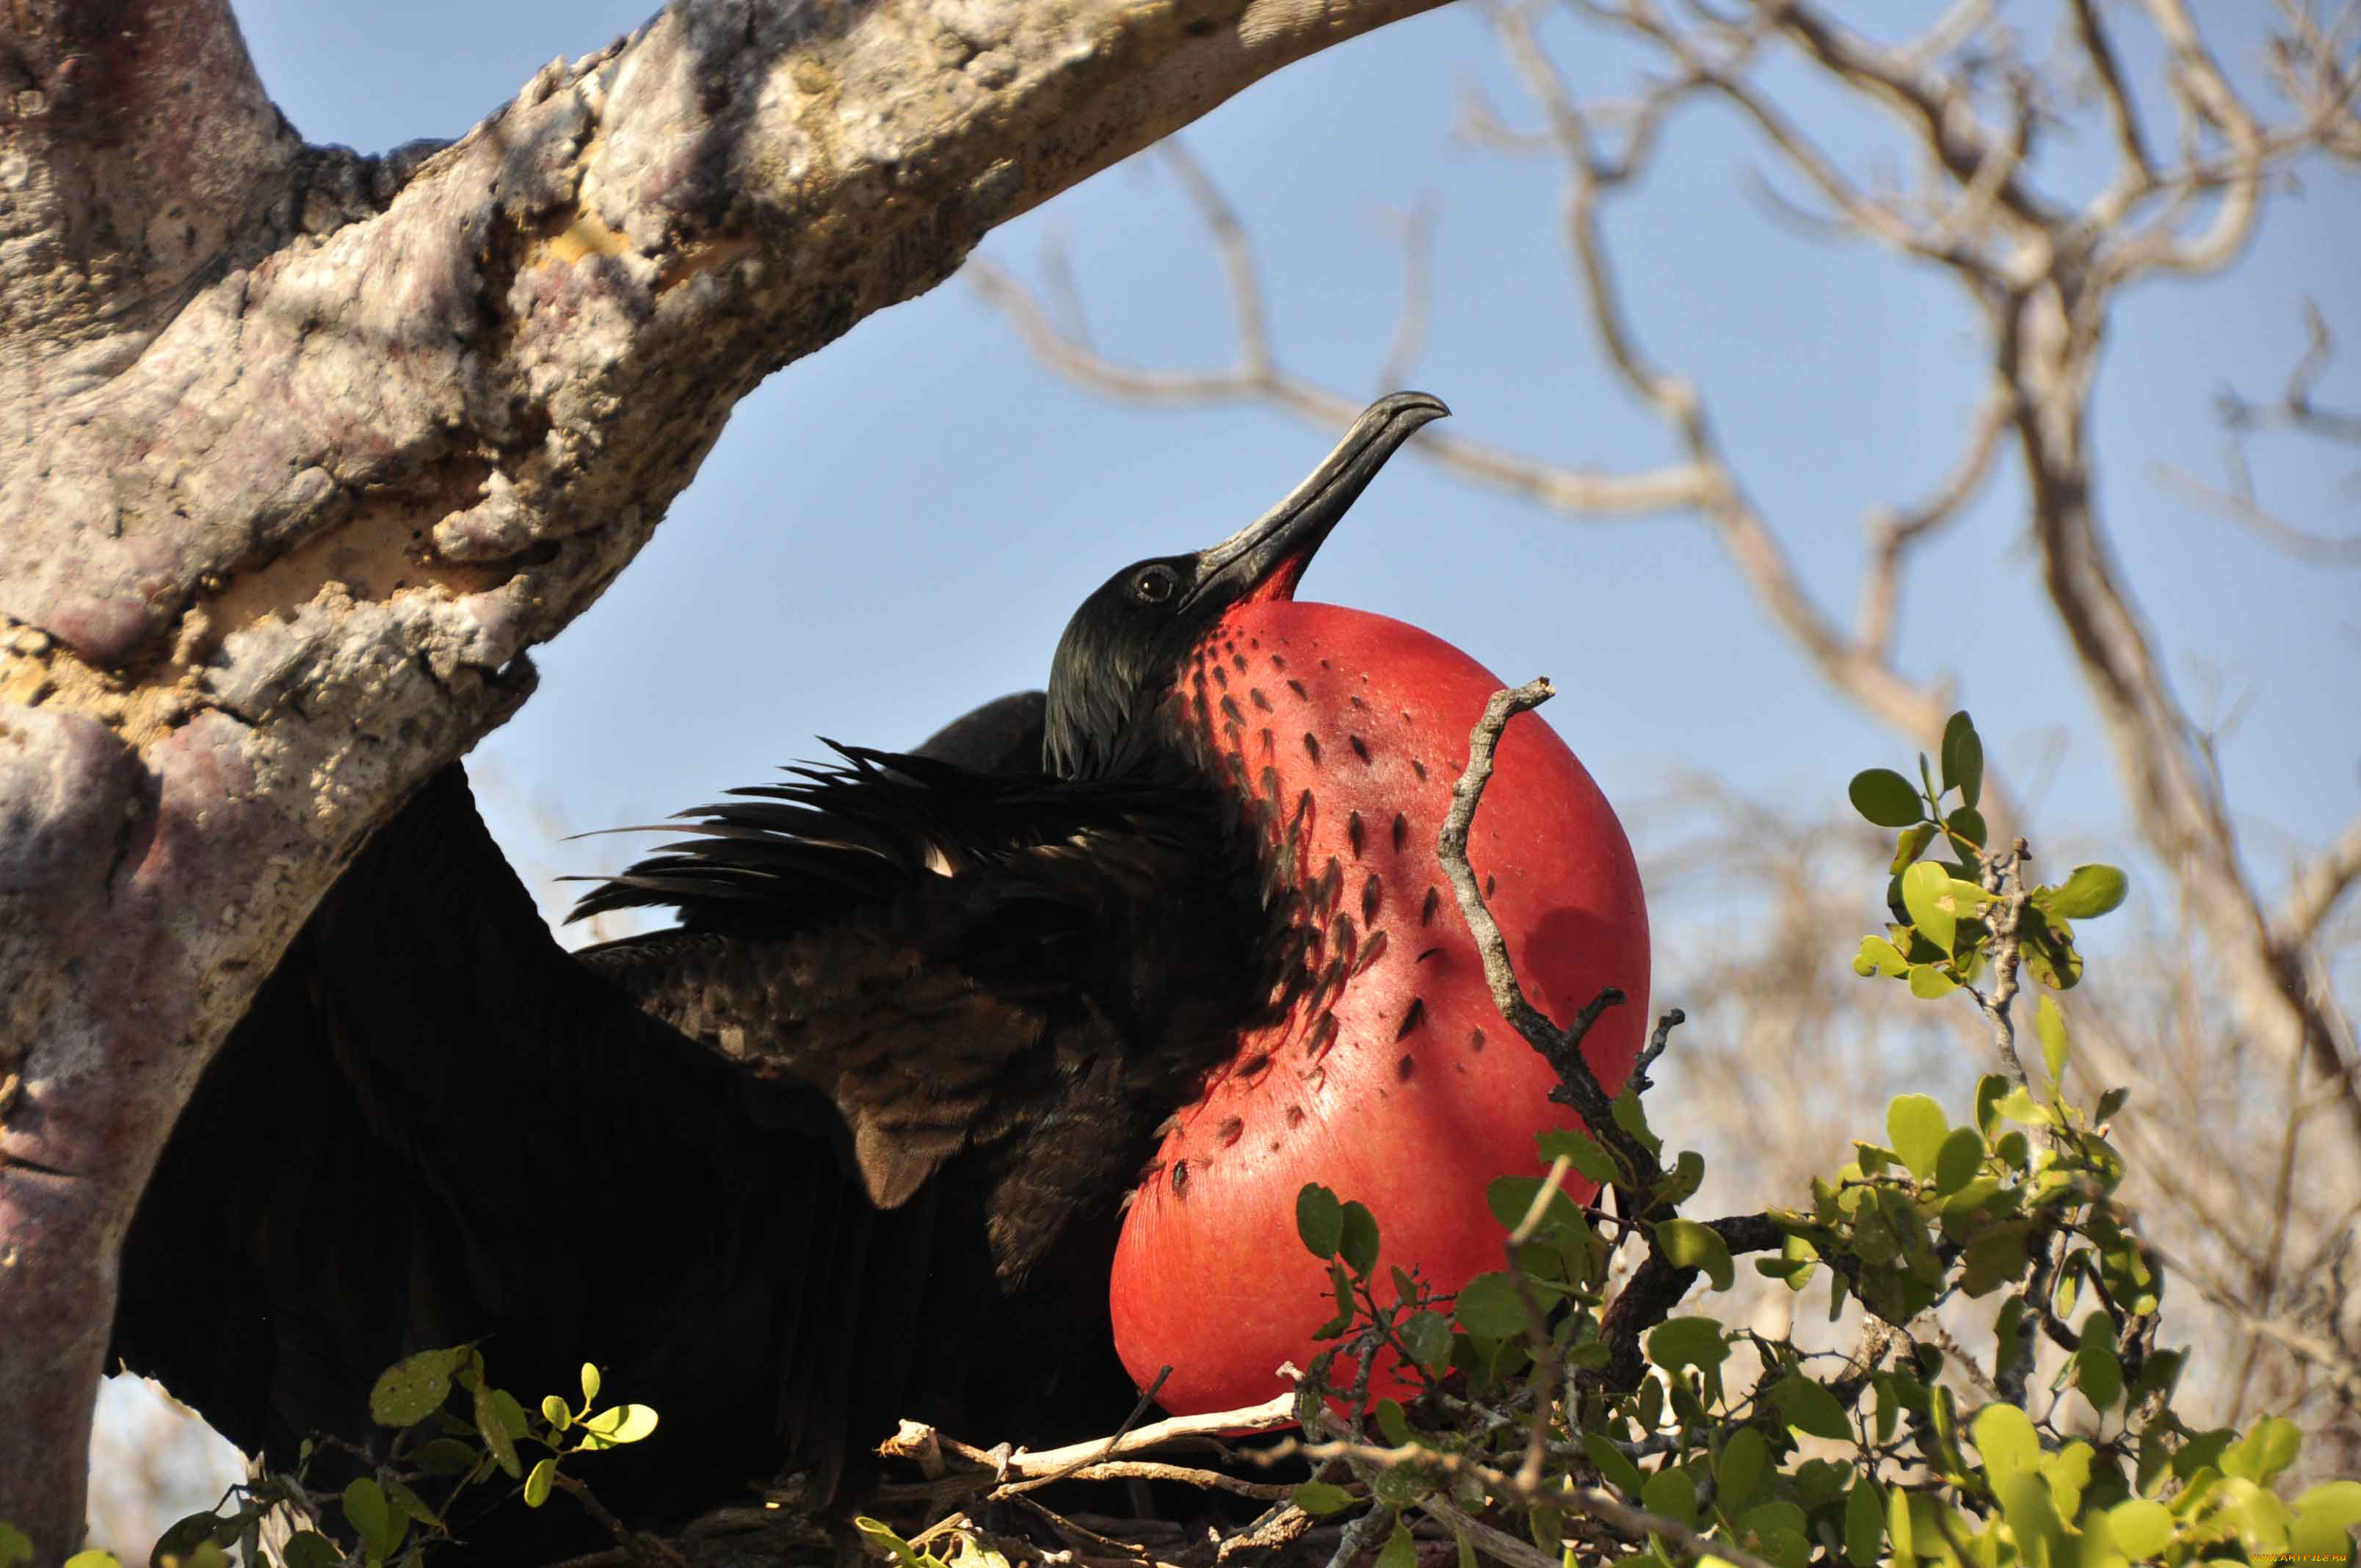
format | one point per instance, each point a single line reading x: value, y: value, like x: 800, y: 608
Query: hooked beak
x: 1265, y: 559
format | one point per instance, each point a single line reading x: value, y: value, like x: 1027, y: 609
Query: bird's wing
x: 928, y: 946
x: 436, y: 1127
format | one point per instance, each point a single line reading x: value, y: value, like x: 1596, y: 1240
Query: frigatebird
x: 850, y: 1143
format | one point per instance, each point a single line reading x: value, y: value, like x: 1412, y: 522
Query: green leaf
x: 1427, y: 1337
x: 2323, y: 1518
x: 1916, y: 1126
x: 1688, y: 1341
x: 2091, y: 891
x: 2139, y: 1528
x: 1681, y: 1182
x: 1990, y: 1087
x: 1878, y: 956
x: 1357, y: 1244
x: 1632, y: 1117
x: 616, y: 1426
x: 2097, y: 1370
x: 1967, y: 825
x: 1927, y: 894
x: 1885, y: 797
x: 1959, y: 1160
x: 590, y: 1384
x: 2109, y: 1104
x: 16, y: 1547
x: 304, y: 1548
x: 1810, y: 1407
x: 1319, y: 1220
x: 1963, y: 758
x: 1688, y: 1245
x: 1400, y: 1551
x: 1740, y: 1470
x: 537, y: 1482
x: 2006, y: 1438
x: 494, y: 1431
x: 1579, y: 1148
x: 1488, y: 1307
x: 413, y: 1388
x: 1909, y: 844
x: 881, y: 1535
x: 553, y: 1412
x: 1613, y: 1465
x: 1673, y: 1494
x: 95, y: 1558
x: 1320, y: 1500
x: 1865, y: 1523
x: 373, y: 1518
x: 1511, y: 1196
x: 1928, y: 984
x: 1341, y: 1285
x: 2266, y: 1451
x: 2032, y: 1516
x: 2051, y: 1024
x: 1393, y: 1422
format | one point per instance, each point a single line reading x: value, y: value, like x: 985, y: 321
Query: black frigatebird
x: 853, y: 1141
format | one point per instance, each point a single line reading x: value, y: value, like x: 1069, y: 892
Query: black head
x: 1124, y: 646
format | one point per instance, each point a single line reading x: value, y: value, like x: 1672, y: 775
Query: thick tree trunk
x: 309, y: 448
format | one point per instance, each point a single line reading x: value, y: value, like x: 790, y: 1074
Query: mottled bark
x: 307, y: 449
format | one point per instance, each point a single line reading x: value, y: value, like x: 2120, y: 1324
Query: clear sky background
x: 896, y: 528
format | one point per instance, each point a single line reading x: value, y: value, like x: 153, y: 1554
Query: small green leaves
x: 16, y: 1547
x: 2091, y: 891
x: 2006, y: 1439
x: 1885, y: 797
x: 1916, y: 1126
x: 1963, y: 758
x: 1671, y: 1492
x: 621, y: 1424
x: 310, y: 1548
x: 1958, y: 1159
x: 538, y: 1480
x: 553, y: 1412
x: 1357, y: 1241
x: 1865, y: 1523
x: 2097, y: 1371
x: 2324, y: 1517
x: 1488, y: 1307
x: 1739, y: 1471
x: 1930, y: 983
x: 1689, y: 1341
x: 2139, y: 1529
x: 2049, y: 1024
x: 1400, y: 1551
x: 1320, y: 1500
x: 1938, y: 902
x: 1688, y: 1245
x: 590, y: 1384
x: 1878, y: 956
x: 415, y: 1387
x: 1426, y: 1336
x: 492, y: 1426
x: 1810, y: 1407
x: 1911, y: 844
x: 1319, y: 1220
x: 1578, y: 1147
x: 1612, y: 1463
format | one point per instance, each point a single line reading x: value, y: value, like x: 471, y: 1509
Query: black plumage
x: 847, y: 1144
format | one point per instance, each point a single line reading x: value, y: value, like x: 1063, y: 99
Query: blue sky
x: 896, y: 528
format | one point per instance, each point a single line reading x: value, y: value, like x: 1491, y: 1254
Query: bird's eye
x: 1155, y: 584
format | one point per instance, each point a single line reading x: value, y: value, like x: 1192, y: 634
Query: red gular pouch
x: 1394, y: 1081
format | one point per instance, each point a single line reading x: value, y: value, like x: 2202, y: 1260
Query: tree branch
x: 320, y: 459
